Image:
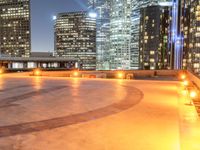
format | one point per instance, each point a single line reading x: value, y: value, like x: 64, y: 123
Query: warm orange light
x: 183, y: 76
x: 37, y: 72
x: 193, y: 94
x: 75, y: 73
x: 1, y: 71
x: 185, y: 83
x: 120, y: 75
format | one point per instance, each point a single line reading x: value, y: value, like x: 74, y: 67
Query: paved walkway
x: 79, y: 114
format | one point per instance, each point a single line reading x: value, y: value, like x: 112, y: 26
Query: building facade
x: 193, y: 54
x: 120, y: 35
x: 154, y: 37
x: 43, y: 62
x: 135, y: 29
x: 186, y: 32
x: 102, y: 9
x: 15, y: 30
x: 75, y: 38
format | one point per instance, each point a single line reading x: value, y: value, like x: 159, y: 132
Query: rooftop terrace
x: 56, y: 112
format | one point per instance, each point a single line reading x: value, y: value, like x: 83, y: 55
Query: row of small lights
x: 38, y: 72
x: 193, y: 94
x: 120, y: 75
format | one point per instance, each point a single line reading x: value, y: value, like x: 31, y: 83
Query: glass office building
x: 135, y: 26
x: 75, y: 38
x: 155, y: 24
x: 15, y: 38
x: 118, y: 23
x: 193, y: 55
x: 120, y: 35
x: 102, y: 9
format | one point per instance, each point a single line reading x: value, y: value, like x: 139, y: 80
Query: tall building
x: 154, y: 36
x: 75, y: 37
x: 15, y: 38
x: 180, y: 31
x: 120, y: 35
x: 118, y: 25
x: 102, y: 8
x: 135, y: 27
x: 186, y: 32
x: 193, y: 55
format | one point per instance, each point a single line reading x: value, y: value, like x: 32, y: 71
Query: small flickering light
x: 183, y: 76
x: 75, y: 73
x: 193, y: 94
x: 37, y: 72
x: 185, y: 82
x: 120, y: 75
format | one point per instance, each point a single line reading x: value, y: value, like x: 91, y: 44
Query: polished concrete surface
x: 43, y: 113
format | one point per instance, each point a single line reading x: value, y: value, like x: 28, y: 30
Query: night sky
x: 42, y: 12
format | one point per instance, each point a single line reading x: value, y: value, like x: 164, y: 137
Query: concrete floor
x: 38, y: 113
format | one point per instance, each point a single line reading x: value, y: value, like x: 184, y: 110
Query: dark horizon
x: 42, y: 12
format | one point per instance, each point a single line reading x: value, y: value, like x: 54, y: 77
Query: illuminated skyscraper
x: 154, y: 36
x: 135, y: 19
x: 118, y: 24
x: 102, y: 8
x: 193, y: 53
x: 15, y: 38
x: 120, y: 35
x: 186, y: 31
x: 180, y: 32
x: 75, y: 37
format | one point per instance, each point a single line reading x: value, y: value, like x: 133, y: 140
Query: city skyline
x: 42, y: 23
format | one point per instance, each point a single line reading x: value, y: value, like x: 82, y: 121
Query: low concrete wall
x: 194, y: 79
x: 144, y: 73
x: 167, y: 72
x: 131, y: 74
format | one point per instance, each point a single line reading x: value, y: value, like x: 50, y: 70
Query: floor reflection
x: 37, y: 83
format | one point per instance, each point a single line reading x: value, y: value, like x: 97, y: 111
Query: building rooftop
x: 59, y: 113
